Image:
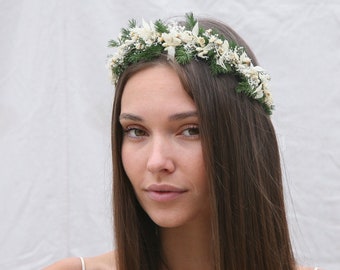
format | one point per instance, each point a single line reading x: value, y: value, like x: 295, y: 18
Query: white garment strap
x: 82, y: 263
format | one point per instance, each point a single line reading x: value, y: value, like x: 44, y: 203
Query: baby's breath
x: 184, y: 43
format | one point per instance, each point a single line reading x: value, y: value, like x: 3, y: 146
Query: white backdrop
x: 55, y: 105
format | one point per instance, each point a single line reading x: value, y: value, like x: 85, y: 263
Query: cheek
x: 193, y: 165
x: 126, y: 160
x: 131, y: 163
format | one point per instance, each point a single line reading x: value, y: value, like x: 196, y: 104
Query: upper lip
x: 164, y: 188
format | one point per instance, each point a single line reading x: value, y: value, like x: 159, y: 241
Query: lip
x: 164, y: 193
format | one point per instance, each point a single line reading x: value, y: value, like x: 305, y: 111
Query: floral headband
x: 185, y: 43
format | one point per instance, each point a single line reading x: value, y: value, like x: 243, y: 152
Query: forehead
x: 154, y: 86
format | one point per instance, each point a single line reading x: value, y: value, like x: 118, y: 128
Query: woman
x: 197, y: 177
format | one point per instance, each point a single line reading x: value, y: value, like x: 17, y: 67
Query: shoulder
x: 307, y: 268
x: 105, y: 261
x: 65, y: 264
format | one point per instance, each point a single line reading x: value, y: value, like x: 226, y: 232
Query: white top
x: 83, y: 263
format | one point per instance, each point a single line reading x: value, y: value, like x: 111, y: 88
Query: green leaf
x: 190, y: 21
x: 183, y: 56
x: 132, y: 23
x: 149, y: 53
x: 113, y: 43
x: 161, y: 27
x: 244, y: 87
x: 125, y: 34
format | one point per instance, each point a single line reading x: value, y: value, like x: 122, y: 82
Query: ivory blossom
x: 196, y: 42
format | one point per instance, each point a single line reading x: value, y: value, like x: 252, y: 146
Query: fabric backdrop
x: 55, y: 106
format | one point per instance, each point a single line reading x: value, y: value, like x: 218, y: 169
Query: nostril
x: 160, y: 158
x: 160, y: 165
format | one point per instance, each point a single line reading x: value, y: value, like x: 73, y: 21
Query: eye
x: 191, y: 131
x: 134, y: 132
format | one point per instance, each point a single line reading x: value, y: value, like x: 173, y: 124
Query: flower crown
x: 183, y: 43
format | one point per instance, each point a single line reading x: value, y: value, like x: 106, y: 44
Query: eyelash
x: 128, y: 130
x: 191, y: 128
x: 186, y: 129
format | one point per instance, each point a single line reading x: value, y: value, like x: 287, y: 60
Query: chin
x: 167, y: 223
x: 169, y: 220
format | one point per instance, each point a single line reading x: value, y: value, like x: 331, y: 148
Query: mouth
x: 164, y: 193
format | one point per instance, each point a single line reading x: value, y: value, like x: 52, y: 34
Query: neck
x: 187, y: 247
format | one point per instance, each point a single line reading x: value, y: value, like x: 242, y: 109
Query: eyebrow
x: 173, y: 117
x: 183, y: 115
x: 129, y: 116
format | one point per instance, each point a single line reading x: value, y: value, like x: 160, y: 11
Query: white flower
x: 140, y: 46
x: 259, y: 92
x: 146, y: 33
x: 186, y: 37
x: 203, y: 53
x: 212, y: 39
x: 200, y: 41
x: 171, y: 40
x: 220, y: 42
x: 268, y: 98
x: 149, y: 27
x: 224, y: 47
x: 195, y: 30
x: 171, y: 52
x: 251, y: 73
x: 234, y: 57
x: 198, y: 44
x: 244, y: 59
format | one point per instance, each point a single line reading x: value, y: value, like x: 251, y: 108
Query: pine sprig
x: 190, y: 21
x: 193, y: 42
x: 183, y: 56
x: 161, y: 27
x: 132, y: 23
x: 244, y: 87
x: 113, y: 43
x: 125, y: 34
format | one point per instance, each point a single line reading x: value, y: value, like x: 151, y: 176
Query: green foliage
x: 232, y: 44
x: 132, y: 23
x: 125, y: 34
x: 244, y: 87
x: 161, y: 27
x: 185, y: 52
x: 113, y: 43
x: 190, y: 21
x: 147, y: 54
x: 183, y: 56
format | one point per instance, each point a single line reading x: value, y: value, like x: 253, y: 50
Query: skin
x: 162, y: 155
x: 162, y: 147
x: 102, y: 262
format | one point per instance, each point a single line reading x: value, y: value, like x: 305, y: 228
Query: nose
x: 160, y: 159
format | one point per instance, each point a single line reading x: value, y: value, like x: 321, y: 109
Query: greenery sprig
x: 183, y: 43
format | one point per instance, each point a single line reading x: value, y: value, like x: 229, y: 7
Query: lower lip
x: 164, y: 196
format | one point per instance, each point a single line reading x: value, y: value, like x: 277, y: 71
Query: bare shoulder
x: 105, y: 261
x: 65, y: 264
x: 307, y: 268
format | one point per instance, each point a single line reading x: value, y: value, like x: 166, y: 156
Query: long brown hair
x: 241, y: 154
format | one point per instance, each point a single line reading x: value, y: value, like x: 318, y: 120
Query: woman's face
x: 162, y: 152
